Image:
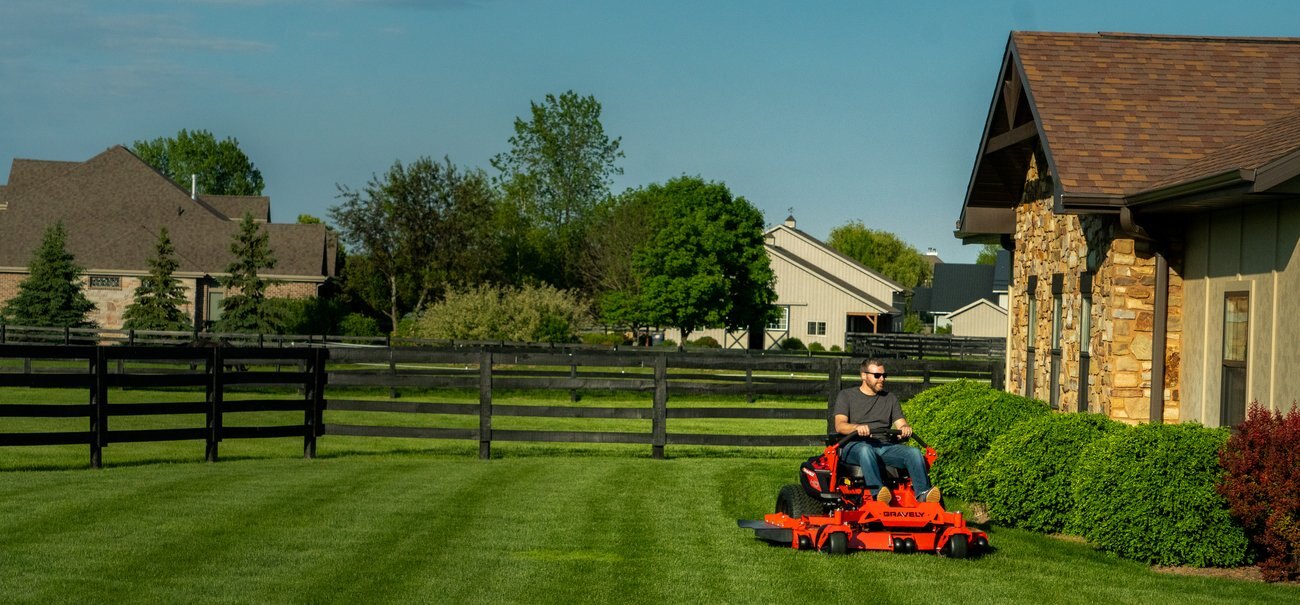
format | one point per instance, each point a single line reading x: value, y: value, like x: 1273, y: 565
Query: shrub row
x: 1145, y: 493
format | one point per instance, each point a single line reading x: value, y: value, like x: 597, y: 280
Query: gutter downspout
x: 1160, y: 324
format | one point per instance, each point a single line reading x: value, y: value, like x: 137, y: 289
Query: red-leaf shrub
x: 1262, y: 487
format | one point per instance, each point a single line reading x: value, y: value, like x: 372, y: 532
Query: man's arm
x: 904, y: 429
x: 844, y: 427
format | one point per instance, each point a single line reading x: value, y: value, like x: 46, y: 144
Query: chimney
x: 931, y: 252
x: 194, y: 186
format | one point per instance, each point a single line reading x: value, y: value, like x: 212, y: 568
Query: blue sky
x: 839, y: 111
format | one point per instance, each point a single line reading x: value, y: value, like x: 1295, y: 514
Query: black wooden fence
x: 488, y: 370
x: 214, y: 370
x: 922, y: 346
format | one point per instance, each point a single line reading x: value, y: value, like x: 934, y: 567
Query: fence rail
x: 317, y: 372
x: 921, y: 346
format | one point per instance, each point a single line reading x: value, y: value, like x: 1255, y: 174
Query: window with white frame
x: 784, y: 322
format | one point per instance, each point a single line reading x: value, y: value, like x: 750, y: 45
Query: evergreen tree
x: 51, y: 296
x: 159, y: 297
x: 245, y: 307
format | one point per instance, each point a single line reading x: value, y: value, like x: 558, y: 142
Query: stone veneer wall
x: 1119, y: 381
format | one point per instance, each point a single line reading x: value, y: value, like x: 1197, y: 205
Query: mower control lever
x: 886, y: 432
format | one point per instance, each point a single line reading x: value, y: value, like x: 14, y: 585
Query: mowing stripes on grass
x: 532, y: 528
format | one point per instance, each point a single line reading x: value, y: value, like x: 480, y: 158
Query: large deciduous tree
x: 221, y: 166
x: 705, y: 266
x: 559, y: 167
x: 159, y: 297
x: 423, y: 228
x: 245, y: 307
x: 52, y: 294
x: 988, y: 254
x: 880, y: 251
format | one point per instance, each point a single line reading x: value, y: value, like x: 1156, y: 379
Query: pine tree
x: 52, y: 295
x: 159, y: 297
x: 245, y: 307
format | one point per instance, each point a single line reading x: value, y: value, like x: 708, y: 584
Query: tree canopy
x: 159, y: 297
x: 705, y: 265
x: 559, y: 167
x: 988, y: 254
x: 422, y: 228
x: 221, y: 166
x: 880, y: 251
x: 52, y: 294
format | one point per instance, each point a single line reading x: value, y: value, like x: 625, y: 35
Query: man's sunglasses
x: 876, y: 374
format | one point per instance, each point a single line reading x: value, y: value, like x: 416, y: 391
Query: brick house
x: 1148, y: 187
x: 113, y: 206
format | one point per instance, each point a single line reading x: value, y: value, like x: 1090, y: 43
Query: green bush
x: 962, y: 425
x: 609, y: 340
x: 668, y: 342
x: 359, y: 324
x: 1025, y: 477
x: 313, y: 315
x: 1148, y: 494
x: 836, y: 348
x: 816, y: 347
x: 708, y: 342
x: 921, y: 409
x: 792, y: 344
x: 528, y: 314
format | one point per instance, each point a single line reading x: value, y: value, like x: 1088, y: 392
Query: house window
x: 1031, y: 333
x: 213, y: 308
x: 1058, y: 289
x: 107, y: 282
x: 817, y: 328
x: 1085, y: 338
x: 783, y: 323
x: 1236, y: 337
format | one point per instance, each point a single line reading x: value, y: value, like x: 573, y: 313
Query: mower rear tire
x: 956, y: 547
x: 795, y: 502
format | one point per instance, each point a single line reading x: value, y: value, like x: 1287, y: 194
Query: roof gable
x: 827, y: 258
x: 983, y: 302
x: 817, y: 272
x: 1114, y: 114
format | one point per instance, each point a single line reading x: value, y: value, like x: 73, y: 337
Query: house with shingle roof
x: 113, y: 206
x: 1148, y: 186
x: 822, y: 294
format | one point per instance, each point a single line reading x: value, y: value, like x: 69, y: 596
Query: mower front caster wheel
x: 836, y: 544
x: 955, y: 548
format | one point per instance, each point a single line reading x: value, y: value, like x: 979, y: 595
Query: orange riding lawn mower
x: 832, y: 510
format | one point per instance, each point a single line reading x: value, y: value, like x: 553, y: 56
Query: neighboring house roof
x: 1002, y: 271
x: 844, y: 261
x: 1116, y: 115
x: 983, y: 302
x: 235, y: 206
x: 112, y: 207
x: 848, y: 288
x: 958, y: 284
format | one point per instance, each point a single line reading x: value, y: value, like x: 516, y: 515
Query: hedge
x: 1148, y: 494
x: 961, y: 422
x: 1262, y: 487
x: 1025, y: 479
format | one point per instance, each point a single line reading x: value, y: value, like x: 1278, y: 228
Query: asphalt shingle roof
x: 113, y: 205
x: 1123, y: 113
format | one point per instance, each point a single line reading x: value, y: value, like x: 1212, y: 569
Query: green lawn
x: 405, y: 520
x: 526, y: 528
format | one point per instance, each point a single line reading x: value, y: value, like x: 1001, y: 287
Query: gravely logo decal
x: 904, y: 514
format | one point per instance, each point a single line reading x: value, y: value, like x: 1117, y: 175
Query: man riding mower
x: 833, y: 509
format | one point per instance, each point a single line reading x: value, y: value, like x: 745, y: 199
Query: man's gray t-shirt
x: 877, y: 411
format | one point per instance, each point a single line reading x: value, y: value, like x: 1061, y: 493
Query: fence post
x: 997, y: 369
x: 314, y: 404
x: 573, y: 374
x: 485, y: 404
x: 834, y: 379
x: 659, y: 416
x: 749, y: 379
x: 214, y: 371
x: 98, y: 411
x: 925, y: 375
x: 392, y: 370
